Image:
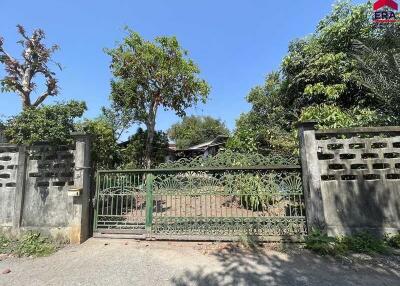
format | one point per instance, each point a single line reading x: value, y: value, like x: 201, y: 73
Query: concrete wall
x: 351, y: 178
x: 34, y: 185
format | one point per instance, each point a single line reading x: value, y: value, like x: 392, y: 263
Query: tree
x: 193, y: 130
x: 20, y: 75
x: 105, y: 151
x: 49, y: 123
x: 378, y: 61
x: 149, y: 75
x: 134, y: 155
x: 320, y: 79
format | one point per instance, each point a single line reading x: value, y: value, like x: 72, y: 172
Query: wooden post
x: 311, y: 176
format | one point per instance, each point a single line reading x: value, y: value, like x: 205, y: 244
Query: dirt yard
x: 129, y: 262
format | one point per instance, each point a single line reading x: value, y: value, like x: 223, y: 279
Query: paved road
x: 129, y: 262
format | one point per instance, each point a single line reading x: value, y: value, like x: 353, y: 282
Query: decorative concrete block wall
x: 34, y: 185
x: 351, y: 178
x: 8, y: 179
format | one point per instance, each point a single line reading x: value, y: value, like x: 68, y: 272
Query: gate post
x: 149, y: 202
x: 311, y: 176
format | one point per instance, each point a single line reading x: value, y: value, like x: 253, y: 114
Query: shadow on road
x: 257, y: 267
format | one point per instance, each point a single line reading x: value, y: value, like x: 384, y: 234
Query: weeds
x: 30, y: 244
x: 249, y: 241
x: 321, y: 243
x: 362, y: 242
x: 5, y: 244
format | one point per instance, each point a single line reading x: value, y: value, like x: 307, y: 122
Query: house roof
x: 220, y: 139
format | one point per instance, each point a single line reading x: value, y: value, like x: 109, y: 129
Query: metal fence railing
x: 202, y: 202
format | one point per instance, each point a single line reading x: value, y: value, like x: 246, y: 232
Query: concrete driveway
x: 128, y: 262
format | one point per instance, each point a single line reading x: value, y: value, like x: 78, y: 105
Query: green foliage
x: 194, y: 130
x: 251, y: 191
x: 30, y: 244
x: 249, y: 241
x: 362, y: 242
x: 149, y: 75
x: 323, y: 78
x: 321, y: 243
x: 393, y: 240
x: 50, y: 123
x: 105, y: 150
x: 331, y: 116
x: 133, y: 155
x: 229, y: 158
x: 5, y: 244
x: 33, y: 244
x: 378, y: 62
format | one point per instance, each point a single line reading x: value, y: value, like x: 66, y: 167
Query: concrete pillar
x: 20, y: 187
x: 79, y: 226
x: 311, y: 176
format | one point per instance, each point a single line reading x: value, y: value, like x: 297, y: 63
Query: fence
x: 34, y: 185
x: 351, y: 178
x: 209, y: 203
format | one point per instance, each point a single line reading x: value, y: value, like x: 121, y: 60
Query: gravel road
x: 129, y: 262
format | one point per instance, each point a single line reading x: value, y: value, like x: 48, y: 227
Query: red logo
x: 384, y: 11
x: 385, y: 3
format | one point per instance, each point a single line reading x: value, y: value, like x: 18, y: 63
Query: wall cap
x: 308, y: 124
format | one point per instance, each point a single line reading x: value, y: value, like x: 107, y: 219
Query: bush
x: 49, y: 123
x: 321, y: 243
x: 362, y: 242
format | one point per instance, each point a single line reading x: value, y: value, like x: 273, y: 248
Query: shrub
x: 362, y: 242
x: 49, y: 123
x: 321, y: 243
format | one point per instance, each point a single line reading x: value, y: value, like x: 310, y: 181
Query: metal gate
x: 202, y: 203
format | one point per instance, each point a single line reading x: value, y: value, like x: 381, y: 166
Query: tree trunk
x: 149, y: 145
x: 150, y: 125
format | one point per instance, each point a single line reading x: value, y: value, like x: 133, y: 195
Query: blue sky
x: 235, y: 43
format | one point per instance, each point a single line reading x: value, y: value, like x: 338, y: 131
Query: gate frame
x: 147, y: 232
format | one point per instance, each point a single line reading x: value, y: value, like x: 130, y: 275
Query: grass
x: 362, y: 242
x: 30, y: 244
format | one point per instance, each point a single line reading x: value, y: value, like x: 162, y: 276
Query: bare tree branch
x: 20, y: 74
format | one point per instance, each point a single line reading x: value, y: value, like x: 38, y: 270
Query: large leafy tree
x: 104, y: 149
x: 196, y: 129
x: 319, y: 79
x: 49, y: 123
x: 21, y: 74
x: 149, y: 75
x: 378, y: 62
x: 134, y: 154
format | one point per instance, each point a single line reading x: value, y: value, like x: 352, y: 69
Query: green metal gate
x: 202, y: 203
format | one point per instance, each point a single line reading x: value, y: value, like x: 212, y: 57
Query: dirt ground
x: 129, y: 262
